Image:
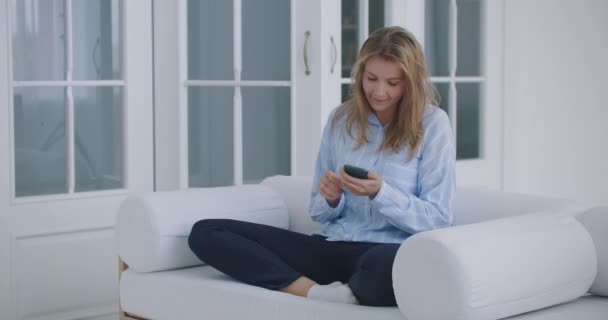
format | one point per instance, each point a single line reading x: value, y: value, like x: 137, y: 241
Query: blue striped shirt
x: 416, y: 195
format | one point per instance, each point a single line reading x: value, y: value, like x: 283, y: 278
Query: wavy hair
x: 397, y: 45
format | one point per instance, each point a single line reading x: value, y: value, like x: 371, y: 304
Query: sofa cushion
x: 204, y: 293
x: 494, y: 269
x: 152, y: 229
x: 472, y: 205
x: 596, y: 222
x: 296, y: 192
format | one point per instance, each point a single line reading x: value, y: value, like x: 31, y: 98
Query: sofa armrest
x: 152, y: 229
x: 596, y: 222
x: 494, y: 269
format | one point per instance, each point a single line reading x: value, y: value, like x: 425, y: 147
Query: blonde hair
x: 397, y: 45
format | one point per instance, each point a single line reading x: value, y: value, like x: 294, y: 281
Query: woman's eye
x: 392, y: 84
x: 371, y: 79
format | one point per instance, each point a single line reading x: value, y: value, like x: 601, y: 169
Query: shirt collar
x: 373, y: 120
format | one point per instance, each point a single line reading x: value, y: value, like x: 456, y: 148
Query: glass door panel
x: 355, y: 31
x: 436, y: 42
x: 376, y: 15
x: 210, y: 136
x: 98, y: 138
x: 346, y: 94
x: 40, y: 141
x: 443, y: 89
x: 210, y: 40
x: 97, y: 39
x: 266, y: 133
x: 469, y: 38
x: 468, y: 126
x: 350, y: 35
x: 266, y: 33
x: 39, y: 34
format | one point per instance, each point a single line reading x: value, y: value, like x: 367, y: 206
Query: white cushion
x: 596, y: 222
x: 152, y: 229
x: 494, y: 269
x: 205, y: 293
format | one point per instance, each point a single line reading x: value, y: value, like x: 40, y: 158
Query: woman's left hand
x: 362, y: 187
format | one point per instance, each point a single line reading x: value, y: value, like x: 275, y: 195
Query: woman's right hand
x: 330, y: 187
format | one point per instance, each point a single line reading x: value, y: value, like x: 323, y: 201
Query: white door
x: 76, y: 112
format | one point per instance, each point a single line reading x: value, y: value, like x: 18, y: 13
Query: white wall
x: 556, y: 105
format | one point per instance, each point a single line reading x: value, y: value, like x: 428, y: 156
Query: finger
x: 360, y: 186
x: 321, y: 190
x: 353, y: 184
x: 351, y: 181
x: 324, y: 184
x: 334, y: 178
x: 344, y: 176
x: 376, y: 181
x: 324, y: 177
x: 350, y: 178
x: 353, y: 188
x: 372, y: 175
x: 331, y: 185
x: 324, y: 193
x: 328, y: 193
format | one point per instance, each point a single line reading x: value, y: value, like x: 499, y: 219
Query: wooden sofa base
x: 126, y: 316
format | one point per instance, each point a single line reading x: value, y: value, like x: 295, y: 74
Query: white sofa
x: 508, y: 255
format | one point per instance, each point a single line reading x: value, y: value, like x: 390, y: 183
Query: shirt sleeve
x: 432, y: 208
x: 319, y: 209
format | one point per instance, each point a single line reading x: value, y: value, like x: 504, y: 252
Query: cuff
x: 387, y: 196
x: 335, y: 210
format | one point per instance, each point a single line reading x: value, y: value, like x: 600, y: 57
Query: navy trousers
x: 274, y: 258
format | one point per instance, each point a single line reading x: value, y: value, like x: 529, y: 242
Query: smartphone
x: 356, y: 172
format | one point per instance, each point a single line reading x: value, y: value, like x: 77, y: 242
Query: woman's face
x: 383, y: 84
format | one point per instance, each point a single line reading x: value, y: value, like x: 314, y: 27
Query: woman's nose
x: 379, y: 92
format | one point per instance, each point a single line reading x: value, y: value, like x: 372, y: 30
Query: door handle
x: 306, y: 37
x: 334, y: 52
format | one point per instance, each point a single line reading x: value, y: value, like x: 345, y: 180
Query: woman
x: 391, y: 128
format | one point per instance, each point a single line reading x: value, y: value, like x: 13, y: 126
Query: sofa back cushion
x: 471, y: 204
x: 152, y: 229
x: 295, y: 191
